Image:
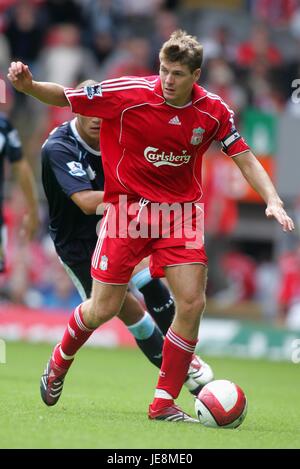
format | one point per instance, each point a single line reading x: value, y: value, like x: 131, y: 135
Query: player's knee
x: 95, y: 315
x: 188, y: 315
x: 104, y: 315
x: 192, y: 307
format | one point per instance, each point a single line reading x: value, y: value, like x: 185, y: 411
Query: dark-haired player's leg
x: 147, y: 334
x: 157, y: 297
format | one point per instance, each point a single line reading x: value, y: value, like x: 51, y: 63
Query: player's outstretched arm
x: 258, y: 178
x: 49, y: 93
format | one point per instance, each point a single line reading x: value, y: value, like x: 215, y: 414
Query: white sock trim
x: 79, y: 322
x: 141, y: 279
x: 179, y: 342
x: 162, y: 394
x: 140, y: 321
x: 143, y: 329
x: 64, y: 356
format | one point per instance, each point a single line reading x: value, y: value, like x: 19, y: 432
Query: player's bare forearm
x: 260, y: 181
x: 88, y: 201
x: 256, y: 175
x: 49, y: 93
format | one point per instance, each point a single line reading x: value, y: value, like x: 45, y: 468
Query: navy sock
x: 160, y: 303
x: 152, y: 347
x: 149, y: 338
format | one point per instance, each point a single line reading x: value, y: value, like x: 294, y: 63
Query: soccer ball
x: 221, y: 404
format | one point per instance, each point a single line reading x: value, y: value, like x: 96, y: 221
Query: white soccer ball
x: 221, y: 404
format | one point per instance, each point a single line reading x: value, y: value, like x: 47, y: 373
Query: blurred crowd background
x: 251, y: 59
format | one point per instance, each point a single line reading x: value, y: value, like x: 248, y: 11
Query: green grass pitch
x: 107, y: 392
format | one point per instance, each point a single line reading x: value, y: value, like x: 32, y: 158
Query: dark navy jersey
x: 10, y: 148
x: 69, y: 165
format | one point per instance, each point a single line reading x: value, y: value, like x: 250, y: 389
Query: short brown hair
x: 86, y: 83
x: 182, y: 48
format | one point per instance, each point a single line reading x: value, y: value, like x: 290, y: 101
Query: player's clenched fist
x: 20, y: 76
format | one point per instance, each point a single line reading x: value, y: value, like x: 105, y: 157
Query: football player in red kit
x: 153, y: 136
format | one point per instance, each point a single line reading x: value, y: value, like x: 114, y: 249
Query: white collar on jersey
x: 80, y: 139
x: 180, y: 107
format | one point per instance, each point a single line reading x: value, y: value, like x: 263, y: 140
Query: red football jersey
x: 150, y: 148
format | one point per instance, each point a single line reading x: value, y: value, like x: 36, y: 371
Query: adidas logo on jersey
x: 175, y: 121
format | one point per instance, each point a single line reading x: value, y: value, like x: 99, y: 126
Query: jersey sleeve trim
x: 69, y: 193
x: 236, y: 154
x: 67, y: 92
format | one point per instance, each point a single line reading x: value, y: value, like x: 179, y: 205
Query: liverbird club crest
x: 103, y: 263
x: 197, y: 136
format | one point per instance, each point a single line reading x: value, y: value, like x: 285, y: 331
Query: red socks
x: 177, y: 355
x: 76, y: 334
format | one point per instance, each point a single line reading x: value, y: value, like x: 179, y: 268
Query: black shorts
x: 80, y: 274
x: 76, y: 258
